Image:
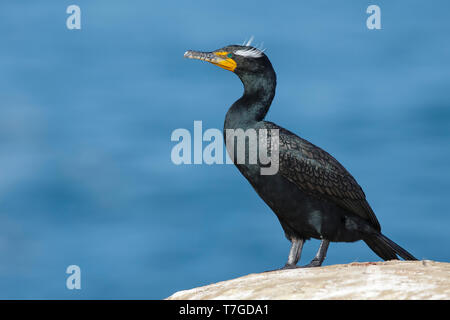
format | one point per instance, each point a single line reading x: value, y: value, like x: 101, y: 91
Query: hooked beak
x: 218, y: 58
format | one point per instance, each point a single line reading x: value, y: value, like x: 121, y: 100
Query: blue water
x: 86, y: 117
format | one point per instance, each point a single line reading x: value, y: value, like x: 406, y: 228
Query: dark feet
x: 289, y: 266
x: 313, y: 263
x: 286, y: 267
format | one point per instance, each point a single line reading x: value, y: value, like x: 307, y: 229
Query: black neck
x: 259, y: 90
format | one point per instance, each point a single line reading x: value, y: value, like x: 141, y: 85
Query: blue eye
x: 229, y: 55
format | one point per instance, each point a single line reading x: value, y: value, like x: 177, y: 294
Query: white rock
x: 394, y: 279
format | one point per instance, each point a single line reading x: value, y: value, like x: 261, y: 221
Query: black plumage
x: 312, y: 194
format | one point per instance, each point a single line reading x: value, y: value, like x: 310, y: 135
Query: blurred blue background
x: 86, y: 118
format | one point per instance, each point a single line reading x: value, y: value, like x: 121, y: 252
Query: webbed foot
x: 313, y: 263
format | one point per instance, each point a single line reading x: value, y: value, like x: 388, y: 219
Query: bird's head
x: 240, y: 59
x: 254, y: 69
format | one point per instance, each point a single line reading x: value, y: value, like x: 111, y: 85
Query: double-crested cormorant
x: 312, y: 194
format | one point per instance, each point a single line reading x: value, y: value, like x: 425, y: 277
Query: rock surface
x: 397, y: 280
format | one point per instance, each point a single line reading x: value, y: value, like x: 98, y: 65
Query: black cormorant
x: 312, y: 194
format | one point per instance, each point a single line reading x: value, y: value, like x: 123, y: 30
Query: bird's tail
x: 387, y: 249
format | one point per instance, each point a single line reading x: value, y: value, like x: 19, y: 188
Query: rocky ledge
x: 397, y: 280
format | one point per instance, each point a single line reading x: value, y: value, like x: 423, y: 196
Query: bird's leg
x: 294, y: 253
x: 320, y: 255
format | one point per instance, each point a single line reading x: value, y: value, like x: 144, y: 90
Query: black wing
x: 317, y: 173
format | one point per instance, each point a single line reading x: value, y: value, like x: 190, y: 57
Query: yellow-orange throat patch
x: 227, y: 64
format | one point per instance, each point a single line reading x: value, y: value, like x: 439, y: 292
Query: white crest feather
x: 249, y: 42
x: 250, y: 51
